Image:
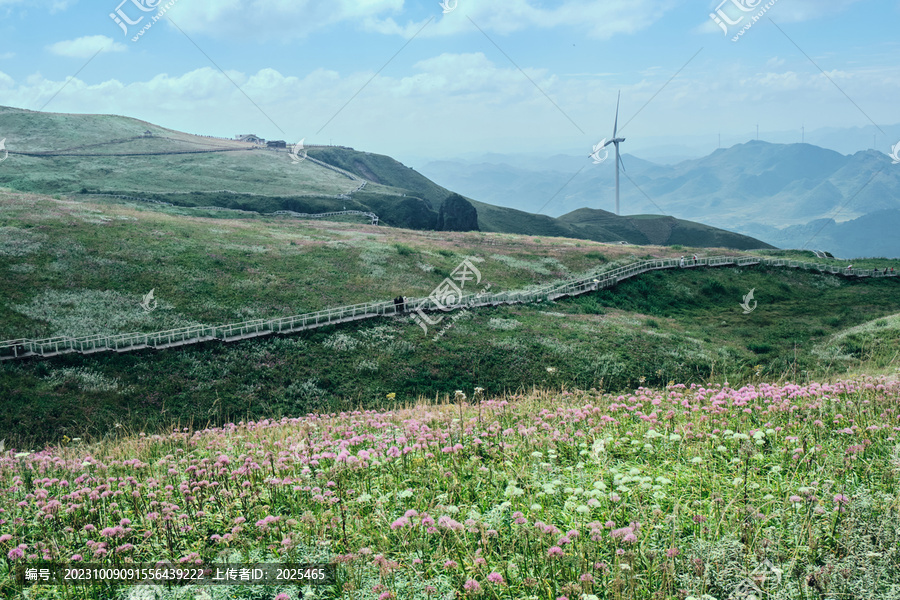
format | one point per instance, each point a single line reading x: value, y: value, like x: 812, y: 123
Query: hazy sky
x: 406, y: 79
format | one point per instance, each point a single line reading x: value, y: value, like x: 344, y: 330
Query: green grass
x: 655, y: 494
x: 75, y: 268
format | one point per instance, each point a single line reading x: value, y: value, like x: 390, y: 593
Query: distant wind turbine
x: 616, y: 140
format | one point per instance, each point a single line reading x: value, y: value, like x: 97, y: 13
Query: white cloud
x: 7, y: 55
x: 85, y: 47
x: 453, y: 103
x: 600, y: 20
x: 783, y: 11
x: 279, y: 19
x: 274, y: 19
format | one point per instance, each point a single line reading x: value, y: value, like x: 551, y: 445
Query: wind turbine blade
x: 616, y: 125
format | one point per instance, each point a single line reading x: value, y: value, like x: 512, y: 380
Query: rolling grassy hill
x: 75, y: 268
x: 70, y: 154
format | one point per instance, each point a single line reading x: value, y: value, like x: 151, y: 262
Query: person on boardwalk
x: 850, y: 267
x: 695, y: 259
x: 682, y: 262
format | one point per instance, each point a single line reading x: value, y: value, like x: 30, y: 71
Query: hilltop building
x: 250, y: 137
x: 276, y: 144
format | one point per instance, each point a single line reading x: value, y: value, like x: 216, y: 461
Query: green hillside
x: 88, y: 154
x: 78, y: 268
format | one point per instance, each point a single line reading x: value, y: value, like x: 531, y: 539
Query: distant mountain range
x: 788, y: 195
x: 83, y: 154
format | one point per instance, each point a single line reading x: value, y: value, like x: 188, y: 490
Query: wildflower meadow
x: 687, y: 492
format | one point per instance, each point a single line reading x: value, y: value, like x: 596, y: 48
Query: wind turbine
x: 616, y: 140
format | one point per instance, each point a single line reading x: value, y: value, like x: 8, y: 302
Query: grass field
x: 686, y: 492
x: 77, y: 268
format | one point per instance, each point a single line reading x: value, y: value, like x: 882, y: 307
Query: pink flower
x: 795, y: 498
x: 842, y: 499
x: 672, y: 552
x: 472, y: 586
x: 450, y: 564
x: 5, y: 538
x: 495, y: 577
x: 15, y: 554
x: 555, y: 551
x: 76, y: 558
x: 386, y: 596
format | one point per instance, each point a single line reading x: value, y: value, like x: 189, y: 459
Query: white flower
x: 22, y: 454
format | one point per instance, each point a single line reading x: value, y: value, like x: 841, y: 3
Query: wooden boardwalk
x: 128, y: 342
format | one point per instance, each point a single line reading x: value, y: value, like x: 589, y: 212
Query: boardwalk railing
x: 126, y: 342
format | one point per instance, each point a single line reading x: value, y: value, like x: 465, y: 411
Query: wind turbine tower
x: 617, y: 140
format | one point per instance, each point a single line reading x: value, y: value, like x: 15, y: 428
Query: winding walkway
x: 128, y: 342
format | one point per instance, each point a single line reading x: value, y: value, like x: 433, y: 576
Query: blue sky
x: 489, y: 76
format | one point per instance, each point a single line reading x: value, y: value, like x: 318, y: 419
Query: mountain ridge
x: 131, y: 157
x: 764, y: 190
